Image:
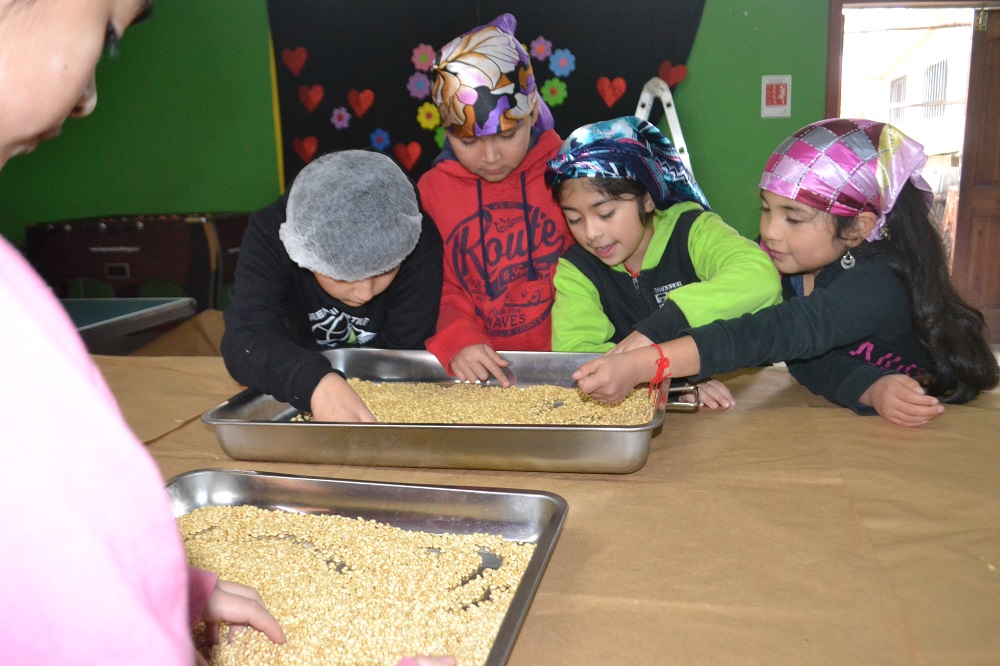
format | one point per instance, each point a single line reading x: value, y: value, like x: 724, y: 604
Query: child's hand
x: 714, y: 395
x: 335, y: 400
x: 479, y: 362
x: 610, y: 378
x: 633, y: 340
x: 240, y: 606
x: 901, y: 400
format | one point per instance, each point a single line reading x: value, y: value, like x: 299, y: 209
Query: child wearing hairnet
x: 502, y: 231
x: 345, y: 259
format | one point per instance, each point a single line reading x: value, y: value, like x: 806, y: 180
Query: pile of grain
x: 413, y: 402
x: 349, y: 591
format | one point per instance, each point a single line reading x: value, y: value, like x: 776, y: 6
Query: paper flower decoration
x: 553, y: 91
x: 341, y: 118
x: 428, y: 116
x: 439, y: 137
x: 380, y: 139
x: 419, y: 86
x: 562, y: 62
x: 541, y: 48
x: 423, y: 57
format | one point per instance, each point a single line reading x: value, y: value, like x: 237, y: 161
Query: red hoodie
x: 497, y: 277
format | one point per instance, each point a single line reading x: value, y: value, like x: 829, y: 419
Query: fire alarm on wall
x: 776, y: 96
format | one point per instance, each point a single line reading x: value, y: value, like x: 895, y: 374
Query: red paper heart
x: 311, y: 96
x: 407, y: 154
x: 294, y: 59
x: 611, y: 91
x: 672, y: 74
x: 360, y: 101
x: 305, y: 148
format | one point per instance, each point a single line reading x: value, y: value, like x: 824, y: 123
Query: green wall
x: 184, y: 121
x: 183, y: 124
x: 719, y: 102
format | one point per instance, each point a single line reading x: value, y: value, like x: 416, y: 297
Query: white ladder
x: 658, y: 88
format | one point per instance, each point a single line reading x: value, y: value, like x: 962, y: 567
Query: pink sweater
x: 93, y: 567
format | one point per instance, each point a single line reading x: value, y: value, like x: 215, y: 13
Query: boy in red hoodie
x: 503, y: 232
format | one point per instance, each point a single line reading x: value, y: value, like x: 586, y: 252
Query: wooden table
x: 784, y: 531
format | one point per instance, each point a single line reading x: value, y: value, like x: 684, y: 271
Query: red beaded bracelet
x: 662, y: 370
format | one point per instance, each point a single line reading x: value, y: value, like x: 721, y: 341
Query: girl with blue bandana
x: 650, y: 258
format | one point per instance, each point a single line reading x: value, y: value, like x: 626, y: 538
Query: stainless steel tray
x: 517, y: 515
x: 255, y: 426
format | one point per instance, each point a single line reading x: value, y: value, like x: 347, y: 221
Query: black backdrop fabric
x: 350, y: 73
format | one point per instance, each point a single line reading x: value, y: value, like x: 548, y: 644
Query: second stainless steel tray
x: 516, y: 515
x: 255, y: 426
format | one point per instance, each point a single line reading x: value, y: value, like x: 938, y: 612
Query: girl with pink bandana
x: 502, y: 231
x: 871, y: 320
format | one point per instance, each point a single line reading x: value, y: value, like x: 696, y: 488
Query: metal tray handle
x: 680, y: 405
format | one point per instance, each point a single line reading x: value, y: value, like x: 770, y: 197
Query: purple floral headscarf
x: 846, y: 166
x: 484, y: 83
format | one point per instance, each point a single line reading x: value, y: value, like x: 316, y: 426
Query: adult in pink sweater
x: 94, y: 568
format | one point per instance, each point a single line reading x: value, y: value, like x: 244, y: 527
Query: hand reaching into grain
x: 610, y: 378
x: 240, y: 606
x: 333, y: 400
x: 479, y: 362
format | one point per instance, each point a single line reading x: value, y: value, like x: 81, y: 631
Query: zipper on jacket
x: 634, y: 276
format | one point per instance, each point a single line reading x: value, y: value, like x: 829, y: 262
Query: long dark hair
x: 952, y: 332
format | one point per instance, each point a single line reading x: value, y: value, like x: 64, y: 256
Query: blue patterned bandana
x: 627, y: 148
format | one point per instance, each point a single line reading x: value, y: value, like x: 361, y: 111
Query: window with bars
x: 897, y: 99
x: 935, y: 84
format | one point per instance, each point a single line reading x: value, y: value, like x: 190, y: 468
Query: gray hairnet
x: 351, y: 215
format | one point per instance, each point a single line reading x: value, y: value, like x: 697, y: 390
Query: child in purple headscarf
x: 486, y: 193
x: 650, y: 259
x: 871, y: 320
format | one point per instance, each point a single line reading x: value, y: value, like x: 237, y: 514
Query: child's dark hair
x: 622, y: 189
x: 951, y: 331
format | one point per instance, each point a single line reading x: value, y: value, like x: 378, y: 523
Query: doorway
x: 931, y: 67
x: 910, y: 67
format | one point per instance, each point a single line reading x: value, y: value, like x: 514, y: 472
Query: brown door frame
x: 975, y: 270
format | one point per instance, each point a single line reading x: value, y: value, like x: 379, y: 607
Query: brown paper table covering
x: 784, y: 531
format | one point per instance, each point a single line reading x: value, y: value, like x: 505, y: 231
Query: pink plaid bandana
x: 846, y: 166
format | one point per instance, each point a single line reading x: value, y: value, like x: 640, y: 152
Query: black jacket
x: 854, y: 328
x: 279, y: 319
